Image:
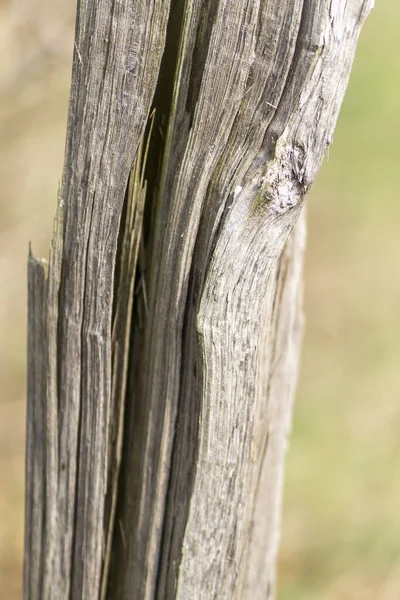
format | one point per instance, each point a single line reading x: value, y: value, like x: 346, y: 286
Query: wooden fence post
x: 164, y: 333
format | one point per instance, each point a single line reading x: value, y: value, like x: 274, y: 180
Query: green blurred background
x: 341, y: 514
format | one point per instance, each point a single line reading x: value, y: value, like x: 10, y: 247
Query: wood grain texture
x: 35, y: 431
x: 193, y: 349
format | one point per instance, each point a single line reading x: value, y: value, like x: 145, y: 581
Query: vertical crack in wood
x: 126, y: 275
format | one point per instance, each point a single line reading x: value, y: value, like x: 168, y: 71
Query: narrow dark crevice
x: 161, y: 107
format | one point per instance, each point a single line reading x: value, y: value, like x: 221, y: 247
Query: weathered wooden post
x: 164, y: 332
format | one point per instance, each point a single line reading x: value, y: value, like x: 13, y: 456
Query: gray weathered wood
x: 35, y: 431
x: 183, y: 363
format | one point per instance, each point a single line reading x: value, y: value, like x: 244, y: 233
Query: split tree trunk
x: 164, y: 334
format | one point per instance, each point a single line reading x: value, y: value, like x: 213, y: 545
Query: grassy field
x: 341, y: 522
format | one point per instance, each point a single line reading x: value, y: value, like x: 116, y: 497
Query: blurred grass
x: 341, y: 523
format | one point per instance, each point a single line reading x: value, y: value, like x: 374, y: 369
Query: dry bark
x: 166, y: 331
